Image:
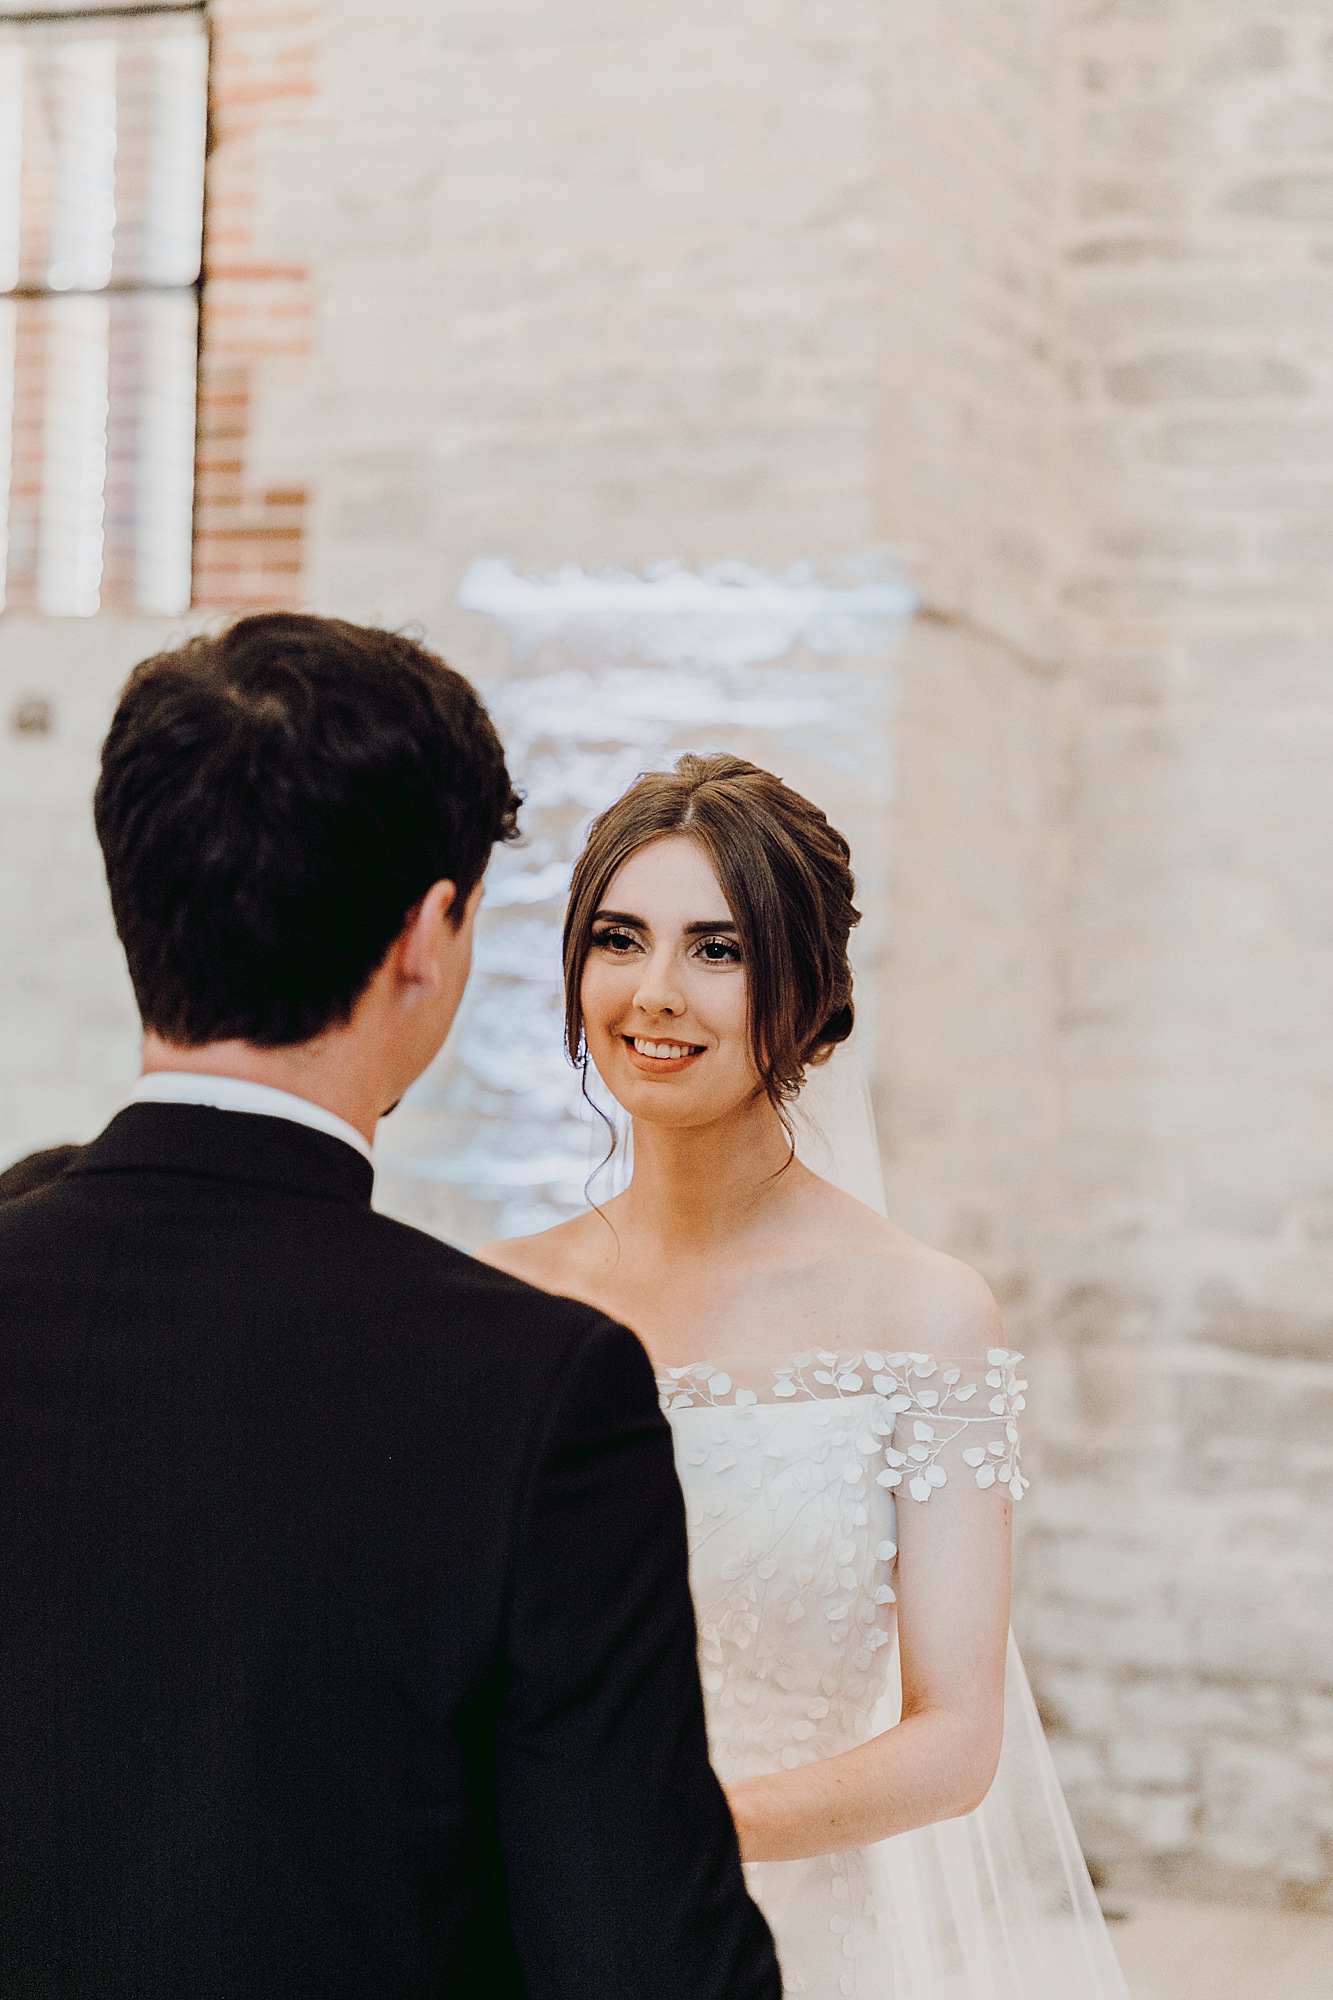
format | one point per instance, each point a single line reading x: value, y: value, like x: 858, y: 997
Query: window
x: 103, y: 120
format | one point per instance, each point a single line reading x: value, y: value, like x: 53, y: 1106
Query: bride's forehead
x: 672, y: 877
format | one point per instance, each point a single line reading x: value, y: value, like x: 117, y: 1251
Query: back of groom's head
x: 273, y: 802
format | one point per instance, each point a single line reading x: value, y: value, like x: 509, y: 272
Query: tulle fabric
x: 997, y: 1905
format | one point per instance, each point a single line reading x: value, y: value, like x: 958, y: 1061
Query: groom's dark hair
x: 274, y: 801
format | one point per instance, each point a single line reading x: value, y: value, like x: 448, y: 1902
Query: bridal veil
x: 996, y: 1905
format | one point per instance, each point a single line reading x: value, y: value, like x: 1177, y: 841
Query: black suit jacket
x: 345, y: 1640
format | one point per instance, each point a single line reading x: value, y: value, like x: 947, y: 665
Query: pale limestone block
x: 1262, y: 670
x: 1204, y: 377
x: 1166, y: 539
x: 1142, y: 1640
x: 1164, y: 1822
x: 1258, y: 1809
x: 1287, y: 1654
x: 69, y: 1047
x: 1192, y: 303
x: 1302, y: 125
x: 1151, y: 1823
x: 1080, y: 1703
x: 1259, y: 48
x: 1107, y: 1574
x: 1181, y: 1709
x: 1147, y: 198
x: 1237, y: 1211
x: 1157, y: 1762
x: 1302, y: 545
x: 1314, y: 1711
x: 1294, y: 197
x: 1124, y: 597
x: 1251, y: 441
x: 1127, y: 250
x: 1078, y: 1765
x: 1144, y: 131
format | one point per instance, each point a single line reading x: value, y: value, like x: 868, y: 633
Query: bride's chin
x: 655, y: 1097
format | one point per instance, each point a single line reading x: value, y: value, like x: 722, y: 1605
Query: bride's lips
x: 659, y: 1065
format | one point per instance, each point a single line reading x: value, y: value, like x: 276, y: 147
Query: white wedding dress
x: 793, y: 1469
x: 792, y: 1473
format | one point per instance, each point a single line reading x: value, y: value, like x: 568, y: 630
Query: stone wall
x: 69, y: 1042
x: 1183, y: 1631
x: 971, y: 160
x: 615, y: 301
x: 767, y: 281
x: 966, y: 1094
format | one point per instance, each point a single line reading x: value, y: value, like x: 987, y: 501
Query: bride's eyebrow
x: 705, y: 927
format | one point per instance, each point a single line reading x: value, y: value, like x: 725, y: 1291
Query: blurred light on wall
x: 611, y: 674
x: 11, y: 160
x: 103, y: 123
x: 80, y: 104
x: 8, y: 330
x: 70, y: 542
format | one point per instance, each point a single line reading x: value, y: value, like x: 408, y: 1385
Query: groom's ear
x: 418, y: 945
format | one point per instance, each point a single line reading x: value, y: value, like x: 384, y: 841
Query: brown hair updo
x: 787, y: 877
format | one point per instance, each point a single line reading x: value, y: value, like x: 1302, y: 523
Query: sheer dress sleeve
x: 953, y: 1420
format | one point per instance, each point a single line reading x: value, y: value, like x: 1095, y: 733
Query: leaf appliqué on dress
x: 927, y: 1406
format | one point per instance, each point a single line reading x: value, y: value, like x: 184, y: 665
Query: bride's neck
x: 695, y: 1187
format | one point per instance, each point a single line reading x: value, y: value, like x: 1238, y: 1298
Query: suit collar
x: 206, y: 1144
x: 235, y: 1093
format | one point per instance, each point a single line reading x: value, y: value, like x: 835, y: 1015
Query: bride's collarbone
x: 845, y: 1289
x: 733, y: 1316
x: 834, y: 1304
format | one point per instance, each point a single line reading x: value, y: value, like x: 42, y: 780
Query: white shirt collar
x: 234, y: 1093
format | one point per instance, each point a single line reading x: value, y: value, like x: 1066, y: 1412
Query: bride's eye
x: 719, y: 951
x: 615, y: 940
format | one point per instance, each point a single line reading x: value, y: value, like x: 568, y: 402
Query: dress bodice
x: 791, y: 1551
x: 792, y: 1474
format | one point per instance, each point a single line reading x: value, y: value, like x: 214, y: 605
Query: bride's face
x: 664, y: 995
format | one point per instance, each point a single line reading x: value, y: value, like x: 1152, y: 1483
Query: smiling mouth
x: 649, y: 1053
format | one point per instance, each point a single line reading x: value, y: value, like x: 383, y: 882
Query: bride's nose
x: 659, y: 988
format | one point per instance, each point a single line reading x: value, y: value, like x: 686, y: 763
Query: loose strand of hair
x: 582, y: 1066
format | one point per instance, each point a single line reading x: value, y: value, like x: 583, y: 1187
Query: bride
x: 818, y: 1365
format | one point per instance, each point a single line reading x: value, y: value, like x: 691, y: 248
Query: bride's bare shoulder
x: 557, y: 1260
x: 912, y: 1294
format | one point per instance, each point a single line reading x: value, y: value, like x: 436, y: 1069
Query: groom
x: 346, y: 1648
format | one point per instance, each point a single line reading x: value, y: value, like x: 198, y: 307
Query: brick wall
x: 250, y: 517
x: 69, y: 1043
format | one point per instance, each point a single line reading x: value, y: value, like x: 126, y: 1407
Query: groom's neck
x: 331, y: 1071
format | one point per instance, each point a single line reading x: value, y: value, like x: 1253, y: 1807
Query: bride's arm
x: 939, y: 1760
